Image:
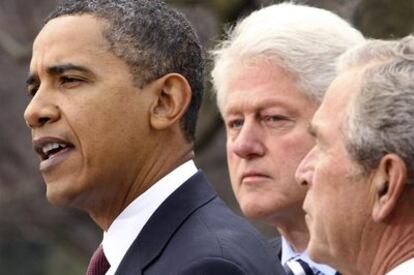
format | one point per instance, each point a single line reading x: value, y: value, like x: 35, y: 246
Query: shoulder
x: 215, y: 238
x: 216, y: 221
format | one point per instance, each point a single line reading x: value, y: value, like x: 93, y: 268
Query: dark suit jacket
x: 194, y: 232
x: 276, y: 244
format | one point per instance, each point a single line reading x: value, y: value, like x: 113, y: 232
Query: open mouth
x: 47, y: 148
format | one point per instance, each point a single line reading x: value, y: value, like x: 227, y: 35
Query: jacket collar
x: 193, y: 194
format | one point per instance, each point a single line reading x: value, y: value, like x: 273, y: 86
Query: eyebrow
x: 62, y: 68
x: 57, y: 69
x: 260, y: 106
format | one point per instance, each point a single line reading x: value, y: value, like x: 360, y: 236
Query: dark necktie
x: 297, y: 267
x: 98, y: 264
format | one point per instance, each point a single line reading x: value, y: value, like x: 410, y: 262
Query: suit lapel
x: 276, y: 245
x: 193, y: 194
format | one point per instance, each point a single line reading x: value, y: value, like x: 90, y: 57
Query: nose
x: 41, y: 110
x: 248, y: 143
x: 305, y: 170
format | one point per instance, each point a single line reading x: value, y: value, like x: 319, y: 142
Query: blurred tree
x: 384, y: 18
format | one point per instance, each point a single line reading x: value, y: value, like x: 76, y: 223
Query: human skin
x: 334, y: 181
x: 266, y: 118
x: 356, y: 225
x: 84, y: 98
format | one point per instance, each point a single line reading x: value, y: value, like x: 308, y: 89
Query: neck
x: 388, y: 243
x: 293, y: 228
x: 164, y: 158
x: 396, y: 245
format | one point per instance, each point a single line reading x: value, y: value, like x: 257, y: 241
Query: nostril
x: 43, y: 120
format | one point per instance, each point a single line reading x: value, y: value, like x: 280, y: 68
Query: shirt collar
x: 288, y: 253
x: 127, y: 226
x: 406, y: 267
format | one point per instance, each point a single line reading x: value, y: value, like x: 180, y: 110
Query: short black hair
x: 153, y: 39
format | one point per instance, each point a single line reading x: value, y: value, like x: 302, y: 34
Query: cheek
x: 331, y: 194
x: 296, y: 146
x: 232, y: 158
x: 232, y: 165
x: 83, y: 112
x: 287, y: 156
x: 323, y: 191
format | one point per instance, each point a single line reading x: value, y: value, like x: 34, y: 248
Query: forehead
x: 262, y: 84
x: 70, y: 37
x: 336, y: 100
x: 256, y: 72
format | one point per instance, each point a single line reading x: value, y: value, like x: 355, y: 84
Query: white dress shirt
x: 406, y: 268
x: 127, y: 226
x: 288, y: 253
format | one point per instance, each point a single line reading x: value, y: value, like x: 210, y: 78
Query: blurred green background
x: 39, y: 239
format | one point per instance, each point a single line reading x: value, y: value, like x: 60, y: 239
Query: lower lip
x: 54, y: 160
x: 254, y: 180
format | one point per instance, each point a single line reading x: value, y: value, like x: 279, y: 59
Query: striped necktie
x: 297, y: 267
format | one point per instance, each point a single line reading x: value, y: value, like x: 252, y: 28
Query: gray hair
x: 380, y: 118
x: 305, y: 41
x: 152, y: 39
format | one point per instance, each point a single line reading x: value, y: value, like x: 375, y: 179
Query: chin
x: 254, y: 211
x: 317, y: 252
x: 60, y: 197
x: 57, y: 200
x: 312, y: 251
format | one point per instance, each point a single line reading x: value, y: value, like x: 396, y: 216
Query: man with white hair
x: 360, y: 199
x: 270, y: 74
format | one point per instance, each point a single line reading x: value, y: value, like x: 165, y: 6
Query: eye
x: 235, y: 123
x: 32, y: 90
x: 274, y: 118
x: 65, y: 79
x: 69, y: 82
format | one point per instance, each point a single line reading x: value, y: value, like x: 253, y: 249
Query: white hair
x: 380, y: 118
x: 303, y: 40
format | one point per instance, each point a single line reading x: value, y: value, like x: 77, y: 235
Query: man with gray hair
x: 360, y: 200
x: 115, y: 89
x: 270, y: 74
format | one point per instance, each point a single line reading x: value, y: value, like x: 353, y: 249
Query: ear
x: 389, y: 182
x: 173, y: 96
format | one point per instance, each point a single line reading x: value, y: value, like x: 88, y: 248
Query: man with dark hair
x: 115, y: 89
